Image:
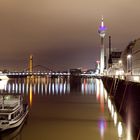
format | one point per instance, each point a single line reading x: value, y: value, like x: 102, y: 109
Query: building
x: 131, y: 58
x: 116, y: 67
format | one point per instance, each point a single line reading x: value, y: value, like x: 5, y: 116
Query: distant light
x: 129, y: 56
x: 97, y: 61
x: 120, y: 130
x: 7, y: 97
x: 120, y: 61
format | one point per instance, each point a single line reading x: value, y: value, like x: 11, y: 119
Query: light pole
x: 129, y: 63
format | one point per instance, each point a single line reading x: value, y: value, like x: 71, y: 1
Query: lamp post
x: 129, y: 63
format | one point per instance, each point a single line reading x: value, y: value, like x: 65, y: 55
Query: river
x: 63, y: 110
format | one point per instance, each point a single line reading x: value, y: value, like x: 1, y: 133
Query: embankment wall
x: 126, y: 97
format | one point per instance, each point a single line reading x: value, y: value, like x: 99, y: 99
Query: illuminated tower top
x: 102, y: 29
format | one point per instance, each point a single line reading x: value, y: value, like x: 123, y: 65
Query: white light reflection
x: 68, y: 87
x: 120, y: 130
x: 56, y: 88
x: 109, y: 104
x: 19, y: 87
x: 13, y: 87
x: 112, y: 111
x: 23, y: 87
x: 9, y: 87
x: 87, y: 86
x: 61, y: 88
x: 38, y: 87
x: 115, y: 118
x: 64, y: 87
x: 49, y: 88
x: 42, y: 87
x: 92, y: 86
x: 16, y: 87
x: 102, y: 96
x: 46, y: 85
x: 97, y: 89
x: 105, y: 94
x: 53, y: 88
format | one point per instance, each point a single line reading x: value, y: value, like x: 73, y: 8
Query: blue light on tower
x: 102, y: 29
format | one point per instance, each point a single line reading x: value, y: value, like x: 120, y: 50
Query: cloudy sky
x: 62, y: 34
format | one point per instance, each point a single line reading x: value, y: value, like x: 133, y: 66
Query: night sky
x: 63, y: 34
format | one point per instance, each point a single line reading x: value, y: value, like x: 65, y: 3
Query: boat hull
x: 16, y: 123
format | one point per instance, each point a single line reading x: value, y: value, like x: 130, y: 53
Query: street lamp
x: 120, y: 62
x: 129, y: 63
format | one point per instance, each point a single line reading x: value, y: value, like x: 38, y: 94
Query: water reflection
x: 49, y: 86
x: 87, y: 86
x: 62, y: 104
x: 31, y: 95
x: 43, y: 86
x: 102, y: 126
x: 100, y: 94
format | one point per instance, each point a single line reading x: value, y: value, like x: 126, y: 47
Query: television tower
x: 102, y: 30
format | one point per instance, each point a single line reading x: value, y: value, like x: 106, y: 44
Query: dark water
x: 62, y: 109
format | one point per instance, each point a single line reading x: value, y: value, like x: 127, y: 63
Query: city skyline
x: 63, y: 34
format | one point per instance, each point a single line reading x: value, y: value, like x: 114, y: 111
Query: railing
x: 33, y: 73
x: 133, y: 78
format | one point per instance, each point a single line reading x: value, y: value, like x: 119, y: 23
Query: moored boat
x: 12, y: 111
